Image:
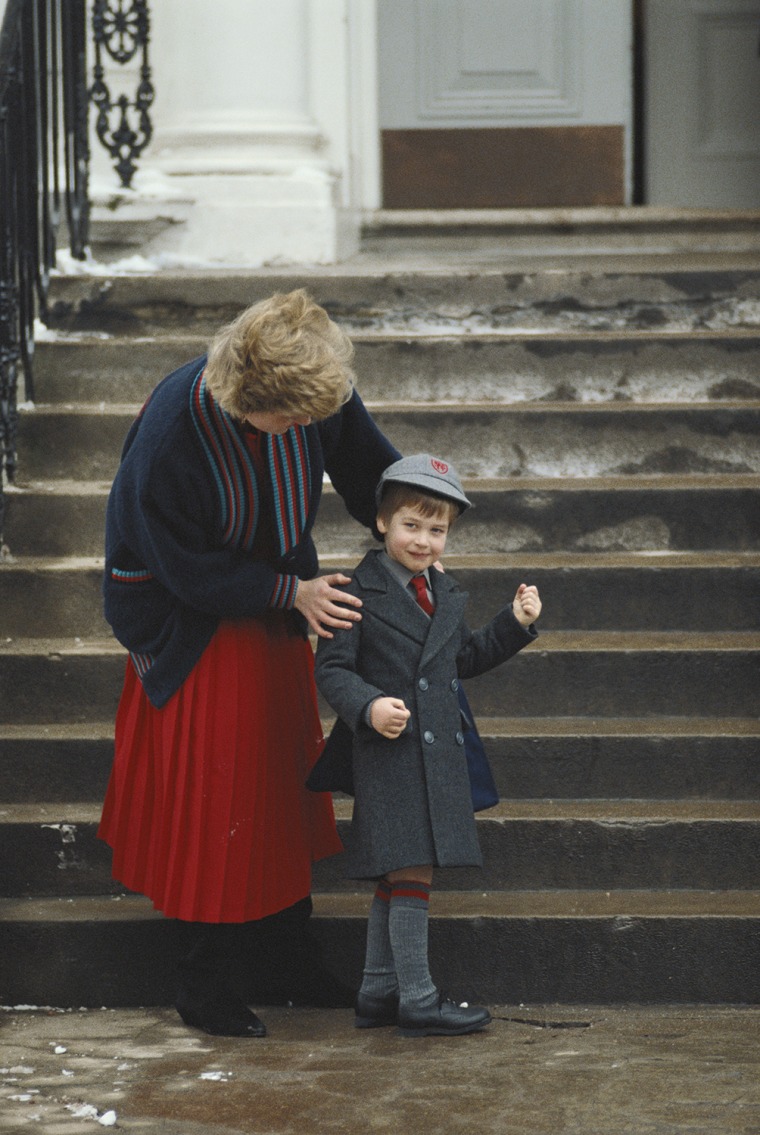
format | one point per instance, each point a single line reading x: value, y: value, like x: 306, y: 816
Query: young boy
x: 393, y: 679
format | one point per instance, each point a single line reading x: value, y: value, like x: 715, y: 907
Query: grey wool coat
x: 412, y: 803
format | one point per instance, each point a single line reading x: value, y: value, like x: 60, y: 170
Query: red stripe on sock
x: 411, y: 890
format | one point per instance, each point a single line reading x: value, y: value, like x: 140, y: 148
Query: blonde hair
x: 397, y: 495
x: 282, y: 355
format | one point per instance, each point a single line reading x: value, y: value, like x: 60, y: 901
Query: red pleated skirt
x: 206, y: 809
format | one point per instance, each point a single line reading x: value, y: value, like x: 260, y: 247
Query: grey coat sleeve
x: 335, y: 672
x: 493, y: 644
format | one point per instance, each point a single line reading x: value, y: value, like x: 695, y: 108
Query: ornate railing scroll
x: 121, y: 31
x: 43, y: 142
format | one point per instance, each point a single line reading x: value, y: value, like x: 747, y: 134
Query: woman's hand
x: 389, y: 717
x: 323, y: 606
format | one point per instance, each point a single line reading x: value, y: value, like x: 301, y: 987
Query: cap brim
x: 431, y: 484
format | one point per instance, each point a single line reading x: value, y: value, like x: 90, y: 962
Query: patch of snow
x: 736, y: 313
x: 82, y: 1111
x: 45, y: 334
x: 168, y: 260
x: 33, y: 1009
x: 147, y: 185
x: 68, y: 831
x: 68, y: 265
x: 136, y: 265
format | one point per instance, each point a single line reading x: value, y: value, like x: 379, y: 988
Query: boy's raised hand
x: 389, y: 717
x: 526, y: 605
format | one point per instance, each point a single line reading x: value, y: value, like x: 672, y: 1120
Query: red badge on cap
x: 439, y: 466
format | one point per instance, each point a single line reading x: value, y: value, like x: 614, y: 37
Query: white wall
x: 265, y: 128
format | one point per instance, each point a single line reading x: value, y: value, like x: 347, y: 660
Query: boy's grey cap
x: 425, y: 472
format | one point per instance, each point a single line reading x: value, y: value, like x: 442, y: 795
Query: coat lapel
x: 382, y: 599
x: 449, y: 610
x: 407, y: 618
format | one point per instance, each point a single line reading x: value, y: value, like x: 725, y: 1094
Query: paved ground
x: 590, y: 1070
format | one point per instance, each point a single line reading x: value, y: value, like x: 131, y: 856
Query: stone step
x: 676, y: 513
x: 645, y: 513
x: 49, y: 597
x: 519, y: 948
x: 610, y: 759
x: 638, y: 366
x: 696, y: 758
x: 64, y: 763
x: 603, y: 297
x: 484, y: 441
x: 571, y: 673
x: 53, y: 850
x: 123, y: 226
x: 61, y: 597
x: 601, y: 231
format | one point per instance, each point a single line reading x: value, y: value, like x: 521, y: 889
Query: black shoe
x: 375, y: 1012
x: 224, y: 1016
x: 445, y: 1018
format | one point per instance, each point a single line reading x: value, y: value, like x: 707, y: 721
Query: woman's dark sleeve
x: 160, y: 519
x: 356, y: 453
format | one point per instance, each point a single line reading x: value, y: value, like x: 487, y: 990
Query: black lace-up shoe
x: 375, y: 1012
x: 445, y: 1018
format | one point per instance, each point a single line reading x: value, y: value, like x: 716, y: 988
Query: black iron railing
x: 43, y: 180
x: 120, y: 31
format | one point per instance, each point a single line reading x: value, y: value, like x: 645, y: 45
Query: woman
x: 211, y: 584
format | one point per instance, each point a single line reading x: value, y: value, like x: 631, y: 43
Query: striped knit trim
x: 284, y: 593
x: 142, y: 576
x: 384, y: 891
x: 231, y: 466
x: 142, y: 663
x: 411, y: 889
x: 290, y: 470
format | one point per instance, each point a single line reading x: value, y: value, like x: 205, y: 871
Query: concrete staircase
x: 604, y: 416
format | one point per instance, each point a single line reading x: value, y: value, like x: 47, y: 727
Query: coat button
x: 423, y: 683
x: 460, y: 738
x: 455, y: 684
x: 429, y: 737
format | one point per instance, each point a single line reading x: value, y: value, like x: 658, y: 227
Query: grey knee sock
x: 379, y: 978
x: 408, y: 930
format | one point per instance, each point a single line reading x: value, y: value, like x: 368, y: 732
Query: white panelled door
x: 702, y: 103
x: 544, y: 86
x: 504, y: 62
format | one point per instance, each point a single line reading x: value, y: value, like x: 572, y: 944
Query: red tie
x: 420, y: 586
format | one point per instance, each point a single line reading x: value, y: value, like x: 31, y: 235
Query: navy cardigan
x: 183, y: 512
